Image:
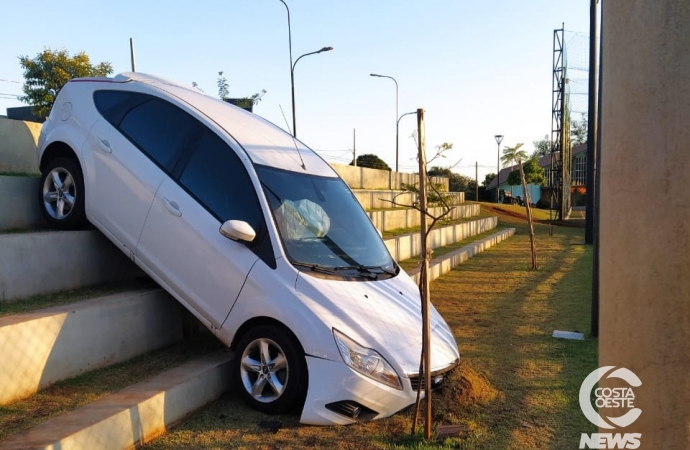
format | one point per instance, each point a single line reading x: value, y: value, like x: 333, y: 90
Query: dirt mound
x: 465, y: 386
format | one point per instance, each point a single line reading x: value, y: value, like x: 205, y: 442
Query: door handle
x: 104, y: 145
x: 173, y: 207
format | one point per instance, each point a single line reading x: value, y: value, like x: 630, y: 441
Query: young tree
x: 513, y: 155
x: 224, y: 91
x: 371, y: 161
x: 45, y: 75
x: 223, y: 87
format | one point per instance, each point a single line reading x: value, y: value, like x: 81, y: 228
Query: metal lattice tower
x: 561, y: 158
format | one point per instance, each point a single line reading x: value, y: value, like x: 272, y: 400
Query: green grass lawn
x: 517, y: 388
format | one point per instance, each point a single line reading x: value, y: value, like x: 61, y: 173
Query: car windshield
x: 322, y: 226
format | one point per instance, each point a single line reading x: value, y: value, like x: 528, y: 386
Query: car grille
x: 437, y: 378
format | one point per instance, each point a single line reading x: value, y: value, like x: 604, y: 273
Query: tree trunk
x: 529, y: 217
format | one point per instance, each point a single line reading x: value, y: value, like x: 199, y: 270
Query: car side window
x: 160, y: 130
x: 112, y: 105
x: 215, y: 175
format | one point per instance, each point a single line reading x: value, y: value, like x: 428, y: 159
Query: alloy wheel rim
x: 59, y: 193
x: 264, y: 370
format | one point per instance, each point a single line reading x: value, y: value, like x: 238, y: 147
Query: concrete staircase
x: 44, y: 346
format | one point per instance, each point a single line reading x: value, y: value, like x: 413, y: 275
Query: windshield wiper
x: 368, y: 270
x: 313, y: 267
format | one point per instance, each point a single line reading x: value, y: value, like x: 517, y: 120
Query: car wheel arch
x: 259, y: 321
x: 57, y: 149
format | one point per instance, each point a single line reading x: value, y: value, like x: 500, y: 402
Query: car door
x: 181, y: 241
x: 133, y: 147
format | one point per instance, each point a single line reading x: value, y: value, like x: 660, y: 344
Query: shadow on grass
x: 503, y: 320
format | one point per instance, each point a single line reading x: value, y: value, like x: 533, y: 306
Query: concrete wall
x: 47, y: 262
x: 381, y: 199
x: 645, y: 214
x: 18, y: 142
x: 67, y: 340
x: 365, y: 178
x: 386, y: 220
x: 409, y: 245
x: 18, y: 205
x: 445, y: 263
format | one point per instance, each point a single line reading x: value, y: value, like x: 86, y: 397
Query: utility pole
x: 592, y: 187
x: 354, y: 146
x: 131, y: 53
x: 476, y: 181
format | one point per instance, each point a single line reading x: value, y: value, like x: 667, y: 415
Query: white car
x: 253, y: 233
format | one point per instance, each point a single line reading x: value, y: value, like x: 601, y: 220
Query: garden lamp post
x: 499, y: 138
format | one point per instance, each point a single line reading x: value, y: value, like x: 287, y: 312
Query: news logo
x: 623, y: 397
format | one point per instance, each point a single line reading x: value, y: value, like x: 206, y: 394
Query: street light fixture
x: 499, y: 139
x: 292, y: 77
x: 396, y: 115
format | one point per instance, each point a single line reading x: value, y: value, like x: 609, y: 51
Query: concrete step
x: 445, y: 263
x: 52, y: 261
x: 48, y: 345
x: 381, y: 199
x: 392, y: 219
x: 135, y: 414
x: 18, y: 203
x: 409, y: 245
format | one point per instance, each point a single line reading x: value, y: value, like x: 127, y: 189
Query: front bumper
x: 335, y: 384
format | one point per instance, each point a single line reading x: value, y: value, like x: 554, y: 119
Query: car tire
x: 270, y: 370
x: 61, y: 194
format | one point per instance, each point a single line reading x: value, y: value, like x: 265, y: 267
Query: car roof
x: 265, y: 143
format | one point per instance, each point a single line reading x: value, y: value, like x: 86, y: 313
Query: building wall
x: 644, y: 236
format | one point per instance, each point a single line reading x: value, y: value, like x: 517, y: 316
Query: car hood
x: 384, y: 315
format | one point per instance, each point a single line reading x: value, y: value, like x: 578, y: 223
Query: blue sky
x: 478, y: 68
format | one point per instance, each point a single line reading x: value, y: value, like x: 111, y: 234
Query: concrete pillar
x: 645, y: 213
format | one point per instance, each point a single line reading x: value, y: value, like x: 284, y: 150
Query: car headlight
x: 366, y: 361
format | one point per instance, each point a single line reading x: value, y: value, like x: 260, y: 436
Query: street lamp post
x: 397, y: 129
x: 499, y: 138
x: 397, y: 140
x: 292, y: 77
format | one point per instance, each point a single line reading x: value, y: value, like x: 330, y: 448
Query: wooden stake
x: 424, y: 278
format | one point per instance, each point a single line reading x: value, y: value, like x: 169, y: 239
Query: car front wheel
x: 271, y: 370
x: 61, y: 194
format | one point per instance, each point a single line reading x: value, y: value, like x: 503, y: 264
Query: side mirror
x: 238, y: 230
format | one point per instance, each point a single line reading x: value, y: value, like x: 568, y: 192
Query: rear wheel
x: 61, y: 194
x: 270, y: 369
